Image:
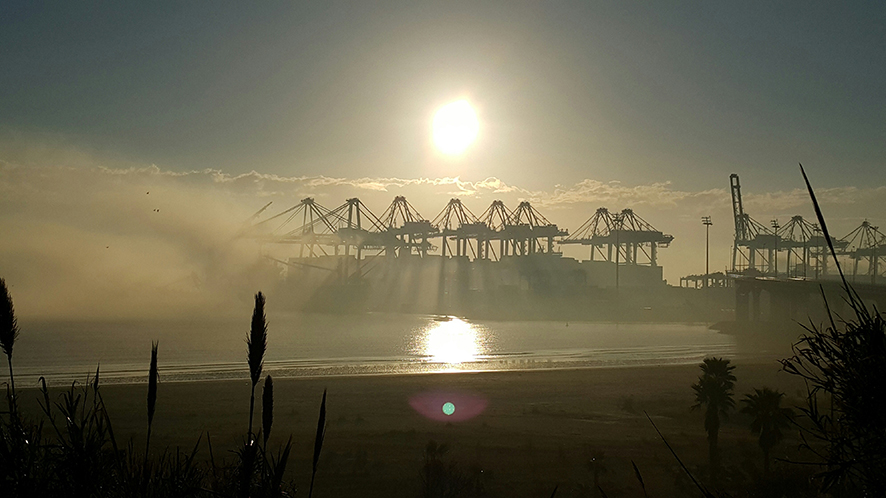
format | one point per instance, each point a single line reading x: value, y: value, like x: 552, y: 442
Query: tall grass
x: 256, y: 345
x: 318, y: 442
x: 843, y: 367
x: 267, y: 408
x: 153, y: 377
x: 81, y: 457
x: 8, y: 335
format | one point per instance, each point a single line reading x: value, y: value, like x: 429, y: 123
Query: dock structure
x: 717, y: 279
x: 353, y: 233
x: 350, y: 238
x: 803, y: 248
x: 459, y: 259
x: 402, y: 231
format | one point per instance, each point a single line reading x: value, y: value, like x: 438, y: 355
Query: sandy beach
x: 531, y: 431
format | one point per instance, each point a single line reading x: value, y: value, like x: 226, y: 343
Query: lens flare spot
x: 440, y: 406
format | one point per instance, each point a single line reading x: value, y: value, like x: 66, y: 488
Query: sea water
x: 302, y: 345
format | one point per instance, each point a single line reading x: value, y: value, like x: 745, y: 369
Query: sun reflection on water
x: 452, y: 341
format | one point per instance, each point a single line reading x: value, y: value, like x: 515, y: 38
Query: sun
x: 455, y: 127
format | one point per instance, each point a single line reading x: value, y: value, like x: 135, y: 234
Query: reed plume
x: 267, y: 408
x: 153, y: 376
x: 8, y: 335
x: 256, y: 345
x: 318, y: 441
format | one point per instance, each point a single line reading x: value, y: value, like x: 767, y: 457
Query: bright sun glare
x: 455, y: 127
x: 453, y: 341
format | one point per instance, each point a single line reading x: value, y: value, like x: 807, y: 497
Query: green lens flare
x: 448, y: 408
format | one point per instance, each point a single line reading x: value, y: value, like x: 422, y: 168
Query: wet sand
x: 538, y: 429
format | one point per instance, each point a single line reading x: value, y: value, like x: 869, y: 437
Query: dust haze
x: 92, y: 237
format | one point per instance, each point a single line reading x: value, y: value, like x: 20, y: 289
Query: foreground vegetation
x: 68, y: 447
x: 71, y: 448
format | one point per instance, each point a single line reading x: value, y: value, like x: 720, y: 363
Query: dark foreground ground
x: 538, y: 429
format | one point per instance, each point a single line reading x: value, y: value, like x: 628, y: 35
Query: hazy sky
x: 636, y: 92
x: 220, y: 106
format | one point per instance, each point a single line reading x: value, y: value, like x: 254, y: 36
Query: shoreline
x: 241, y: 372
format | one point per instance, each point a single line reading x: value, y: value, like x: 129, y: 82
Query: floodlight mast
x: 775, y: 227
x: 618, y: 220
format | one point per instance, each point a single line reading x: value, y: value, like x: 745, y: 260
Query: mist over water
x: 303, y: 345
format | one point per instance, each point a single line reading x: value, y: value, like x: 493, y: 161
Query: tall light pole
x: 617, y: 219
x: 775, y: 227
x: 706, y: 220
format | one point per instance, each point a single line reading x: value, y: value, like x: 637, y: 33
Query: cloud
x: 614, y: 194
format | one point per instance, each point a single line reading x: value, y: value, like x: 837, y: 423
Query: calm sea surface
x: 374, y: 343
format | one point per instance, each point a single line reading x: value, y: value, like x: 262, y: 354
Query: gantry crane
x: 530, y: 233
x: 457, y: 222
x: 866, y: 243
x: 521, y: 232
x: 754, y: 247
x: 806, y: 248
x: 402, y: 221
x: 633, y: 240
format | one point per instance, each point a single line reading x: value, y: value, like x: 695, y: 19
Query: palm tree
x: 714, y: 391
x: 720, y: 368
x: 769, y: 418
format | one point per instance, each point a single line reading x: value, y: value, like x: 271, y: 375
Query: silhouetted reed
x: 247, y: 456
x: 81, y: 457
x: 639, y: 479
x: 267, y: 409
x: 318, y: 441
x: 277, y: 468
x: 256, y: 345
x: 8, y: 335
x: 698, y: 485
x: 153, y: 377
